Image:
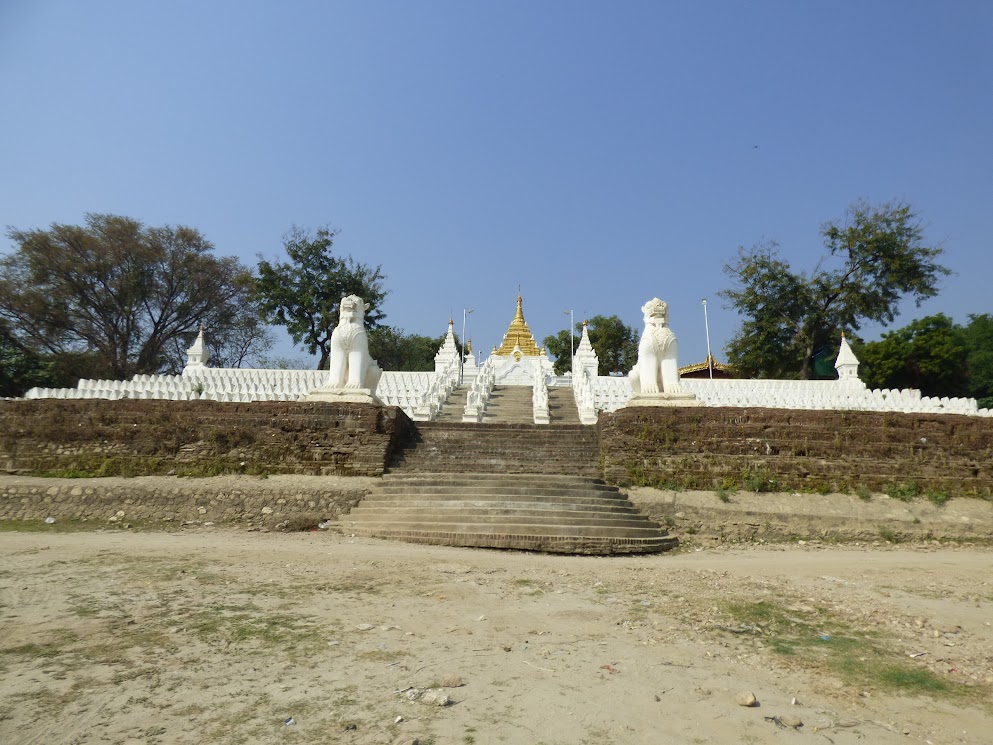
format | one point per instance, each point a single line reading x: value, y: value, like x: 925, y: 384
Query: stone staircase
x: 457, y: 447
x: 545, y: 512
x: 454, y: 407
x: 562, y: 407
x: 510, y: 404
x: 521, y: 486
x: 513, y: 405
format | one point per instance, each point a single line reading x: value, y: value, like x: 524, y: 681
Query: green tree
x: 118, y: 295
x: 876, y: 257
x: 978, y: 338
x: 615, y: 344
x: 20, y: 368
x: 304, y: 293
x: 559, y: 347
x: 395, y: 350
x: 929, y: 353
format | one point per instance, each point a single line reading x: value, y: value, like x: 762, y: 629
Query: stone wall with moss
x: 784, y: 450
x: 197, y: 438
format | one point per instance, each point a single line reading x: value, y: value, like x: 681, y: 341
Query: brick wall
x: 706, y: 448
x: 199, y: 438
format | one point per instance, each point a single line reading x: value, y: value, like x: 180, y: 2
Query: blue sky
x: 596, y: 154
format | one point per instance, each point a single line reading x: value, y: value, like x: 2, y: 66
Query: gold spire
x: 519, y: 335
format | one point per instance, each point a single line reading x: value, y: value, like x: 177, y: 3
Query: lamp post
x: 465, y: 314
x: 706, y: 324
x: 572, y: 341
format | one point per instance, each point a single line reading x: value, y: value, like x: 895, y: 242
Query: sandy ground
x: 223, y: 636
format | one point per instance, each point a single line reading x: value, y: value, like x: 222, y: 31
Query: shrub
x: 904, y: 492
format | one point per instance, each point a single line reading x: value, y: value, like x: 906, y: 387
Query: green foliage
x: 874, y: 259
x: 304, y: 293
x: 759, y: 481
x: 929, y: 354
x: 395, y: 350
x: 905, y: 492
x: 978, y: 338
x: 124, y: 297
x: 934, y: 354
x: 889, y: 535
x: 939, y: 498
x: 21, y: 369
x: 558, y: 346
x: 864, y: 493
x: 615, y: 343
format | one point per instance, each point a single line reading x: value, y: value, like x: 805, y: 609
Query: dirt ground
x: 211, y: 635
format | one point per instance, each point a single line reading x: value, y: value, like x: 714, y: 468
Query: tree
x: 978, y: 338
x: 303, y: 294
x: 20, y: 368
x: 874, y: 259
x: 558, y: 346
x: 395, y: 350
x: 615, y: 344
x: 929, y: 354
x: 119, y: 294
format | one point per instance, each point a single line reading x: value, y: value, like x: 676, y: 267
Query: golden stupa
x: 519, y: 335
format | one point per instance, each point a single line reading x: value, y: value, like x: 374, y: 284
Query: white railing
x: 582, y: 389
x: 479, y: 393
x: 539, y: 400
x: 421, y: 394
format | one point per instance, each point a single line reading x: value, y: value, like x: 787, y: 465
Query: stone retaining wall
x: 291, y: 502
x: 781, y: 450
x: 702, y: 517
x: 197, y: 438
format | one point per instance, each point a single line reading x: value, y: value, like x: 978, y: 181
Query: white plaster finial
x: 197, y: 355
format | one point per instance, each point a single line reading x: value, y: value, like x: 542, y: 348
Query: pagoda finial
x: 519, y: 335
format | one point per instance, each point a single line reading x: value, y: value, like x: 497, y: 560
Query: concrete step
x: 498, y: 503
x: 497, y: 489
x: 531, y: 511
x: 564, y: 519
x: 452, y: 409
x: 503, y: 528
x: 509, y: 404
x: 483, y: 478
x: 545, y: 543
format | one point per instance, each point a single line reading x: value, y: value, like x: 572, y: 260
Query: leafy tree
x: 304, y: 294
x: 119, y: 295
x: 978, y: 338
x: 615, y: 343
x: 20, y: 368
x: 875, y: 258
x: 558, y: 346
x: 929, y: 354
x: 395, y: 350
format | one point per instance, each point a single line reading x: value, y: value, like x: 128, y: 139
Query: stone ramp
x: 531, y: 512
x: 457, y: 447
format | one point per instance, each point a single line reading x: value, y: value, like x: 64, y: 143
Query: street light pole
x: 572, y: 341
x: 465, y: 314
x: 706, y: 323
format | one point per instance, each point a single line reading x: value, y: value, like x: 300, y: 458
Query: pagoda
x: 519, y: 336
x: 519, y: 360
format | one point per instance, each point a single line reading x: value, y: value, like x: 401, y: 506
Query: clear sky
x: 596, y: 154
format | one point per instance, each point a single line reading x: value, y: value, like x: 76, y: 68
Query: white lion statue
x: 657, y: 370
x: 351, y: 365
